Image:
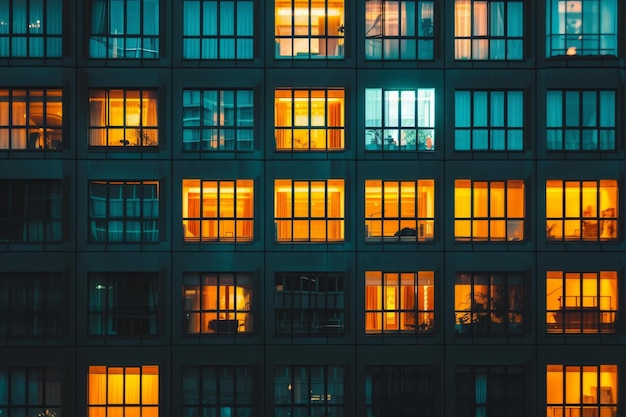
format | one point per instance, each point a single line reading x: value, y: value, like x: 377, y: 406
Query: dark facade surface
x: 107, y: 261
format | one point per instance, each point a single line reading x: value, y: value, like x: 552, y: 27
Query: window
x: 218, y: 29
x: 31, y: 211
x: 490, y: 391
x: 399, y: 391
x: 587, y: 390
x: 217, y: 303
x: 31, y: 29
x: 488, y: 30
x: 123, y: 304
x: 123, y: 391
x: 309, y: 120
x: 125, y: 119
x: 399, y: 210
x: 581, y: 210
x: 218, y: 211
x: 124, y: 29
x: 309, y: 211
x: 399, y: 302
x: 308, y: 391
x: 399, y: 30
x: 309, y: 303
x: 30, y: 391
x: 31, y: 305
x: 31, y: 119
x: 124, y: 211
x: 309, y: 29
x: 581, y: 27
x: 581, y: 302
x: 489, y: 303
x: 400, y: 120
x: 489, y: 210
x: 489, y: 120
x: 218, y: 120
x: 219, y: 391
x: 581, y: 120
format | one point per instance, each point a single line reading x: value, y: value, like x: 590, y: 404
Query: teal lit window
x: 218, y: 29
x: 31, y: 28
x: 399, y: 30
x: 489, y: 120
x: 124, y: 29
x: 581, y: 27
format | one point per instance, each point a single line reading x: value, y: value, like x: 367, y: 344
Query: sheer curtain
x: 462, y: 111
x: 191, y: 29
x: 19, y: 25
x: 480, y: 133
x: 245, y: 28
x: 480, y: 30
x: 515, y: 29
x: 209, y: 30
x: 608, y: 32
x: 496, y: 122
x: 97, y: 119
x: 462, y: 29
x: 54, y: 28
x: 515, y: 120
x: 554, y: 120
x: 227, y: 30
x: 607, y: 120
x: 481, y: 393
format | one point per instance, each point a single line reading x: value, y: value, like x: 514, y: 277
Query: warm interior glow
x: 581, y: 210
x: 218, y: 210
x: 123, y: 118
x: 581, y: 302
x: 309, y: 119
x: 399, y: 209
x: 218, y: 306
x: 123, y: 391
x: 571, y: 387
x: 309, y: 210
x: 309, y: 29
x: 399, y: 302
x: 489, y: 210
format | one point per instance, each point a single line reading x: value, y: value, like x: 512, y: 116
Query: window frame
x: 136, y: 377
x: 121, y: 315
x: 606, y: 400
x: 48, y: 36
x: 40, y: 386
x: 322, y: 395
x: 558, y: 127
x: 289, y: 222
x: 323, y: 307
x: 103, y: 44
x: 477, y: 386
x: 210, y: 320
x: 240, y: 224
x: 400, y: 390
x: 46, y: 136
x: 147, y: 235
x: 219, y: 388
x: 489, y: 126
x: 477, y: 42
x: 41, y: 298
x: 423, y: 229
x: 287, y: 126
x: 422, y: 31
x: 235, y: 124
x: 559, y: 28
x: 386, y: 135
x: 391, y: 317
x: 145, y: 133
x: 220, y: 38
x: 582, y: 318
x: 514, y: 226
x: 300, y: 30
x: 43, y: 201
x: 488, y: 312
x: 595, y: 225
